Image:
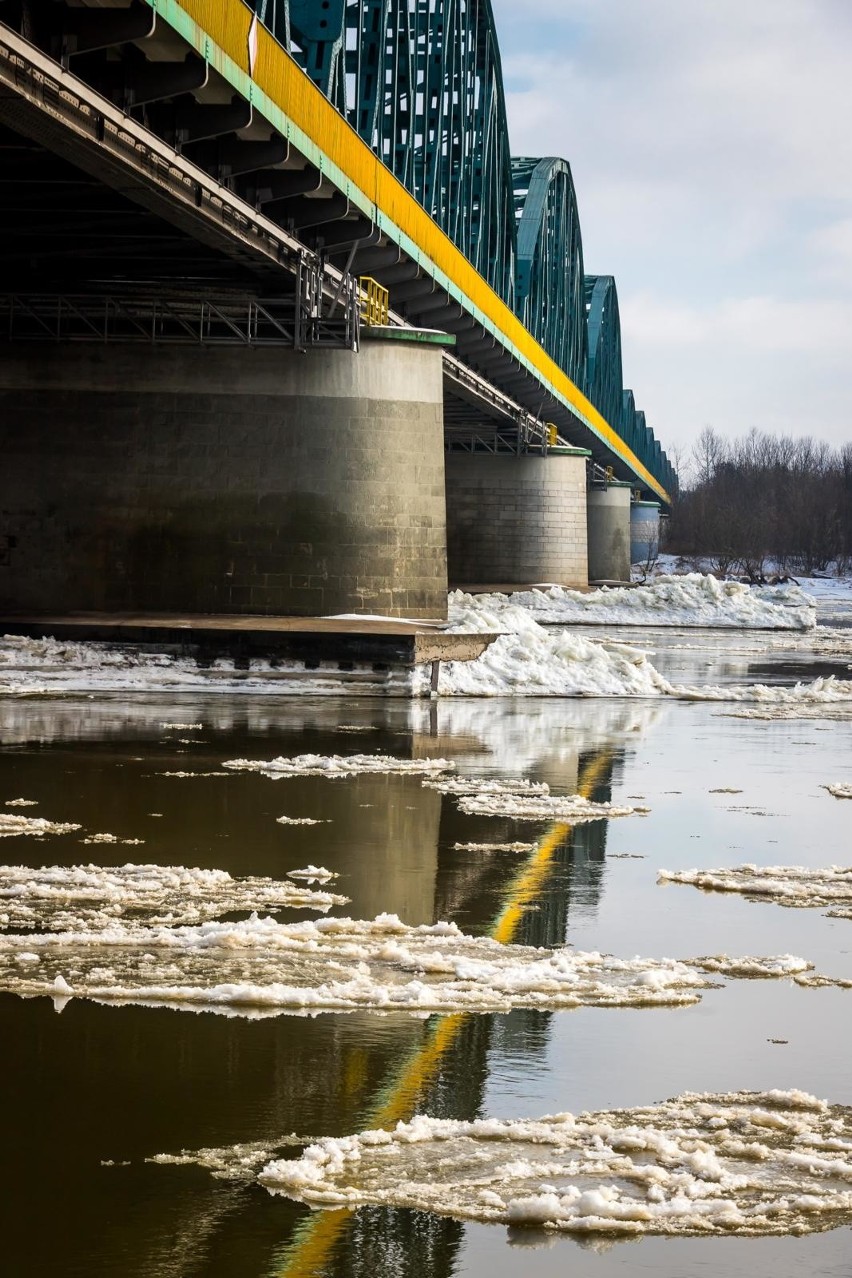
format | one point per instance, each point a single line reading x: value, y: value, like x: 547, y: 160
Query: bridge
x: 284, y: 326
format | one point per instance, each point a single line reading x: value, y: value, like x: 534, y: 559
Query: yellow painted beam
x: 319, y: 1233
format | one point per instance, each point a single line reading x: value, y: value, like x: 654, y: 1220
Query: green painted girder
x: 422, y: 83
x: 549, y: 287
x: 604, y: 384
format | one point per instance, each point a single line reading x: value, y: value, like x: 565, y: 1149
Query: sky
x: 711, y: 147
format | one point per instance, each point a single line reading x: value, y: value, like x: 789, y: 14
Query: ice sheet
x: 261, y: 967
x: 85, y: 897
x: 753, y: 1163
x: 797, y: 886
x: 544, y: 807
x: 336, y: 765
x: 12, y: 825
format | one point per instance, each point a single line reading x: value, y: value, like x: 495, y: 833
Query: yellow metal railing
x: 374, y: 302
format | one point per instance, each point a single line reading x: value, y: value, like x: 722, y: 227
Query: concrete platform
x: 380, y: 642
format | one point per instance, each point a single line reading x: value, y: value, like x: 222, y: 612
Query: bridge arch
x: 604, y: 379
x: 549, y: 281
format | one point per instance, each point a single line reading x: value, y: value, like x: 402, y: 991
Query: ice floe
x: 493, y: 847
x: 797, y: 886
x: 12, y: 825
x: 694, y: 599
x: 313, y: 874
x: 71, y: 898
x: 288, y: 820
x: 840, y: 790
x: 747, y: 1163
x: 544, y: 807
x: 110, y: 838
x: 21, y: 803
x: 488, y: 786
x: 229, y: 1162
x: 260, y: 967
x: 336, y: 765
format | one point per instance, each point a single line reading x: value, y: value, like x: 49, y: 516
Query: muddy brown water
x: 91, y: 1092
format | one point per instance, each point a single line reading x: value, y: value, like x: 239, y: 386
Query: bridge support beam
x: 183, y: 479
x: 514, y: 520
x: 609, y: 532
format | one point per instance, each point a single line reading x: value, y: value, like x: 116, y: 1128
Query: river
x: 93, y: 1091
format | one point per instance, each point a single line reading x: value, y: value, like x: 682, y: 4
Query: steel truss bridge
x: 264, y: 157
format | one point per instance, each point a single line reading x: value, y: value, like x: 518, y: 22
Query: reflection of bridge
x: 214, y: 181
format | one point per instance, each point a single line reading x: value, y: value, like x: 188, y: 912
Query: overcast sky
x: 711, y: 147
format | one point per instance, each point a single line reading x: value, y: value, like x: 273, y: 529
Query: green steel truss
x: 549, y: 293
x: 421, y: 81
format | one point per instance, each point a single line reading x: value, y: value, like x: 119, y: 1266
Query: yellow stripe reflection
x: 319, y: 1232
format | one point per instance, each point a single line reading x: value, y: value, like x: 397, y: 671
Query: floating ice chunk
x: 493, y: 847
x: 749, y: 966
x: 485, y: 786
x: 288, y: 820
x: 232, y: 1162
x: 826, y: 695
x: 764, y: 1163
x: 11, y: 826
x: 563, y: 807
x: 70, y: 898
x: 313, y: 874
x: 183, y: 727
x: 216, y: 773
x: 797, y: 886
x: 336, y: 765
x: 21, y: 803
x: 262, y: 967
x: 840, y: 790
x: 110, y: 838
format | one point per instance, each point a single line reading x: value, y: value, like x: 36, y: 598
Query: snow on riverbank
x: 260, y: 967
x: 75, y: 897
x: 528, y: 660
x: 696, y: 599
x: 754, y: 1163
x: 525, y: 660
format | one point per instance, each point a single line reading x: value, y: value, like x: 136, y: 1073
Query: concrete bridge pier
x: 644, y: 531
x: 609, y: 532
x: 191, y: 479
x: 517, y: 519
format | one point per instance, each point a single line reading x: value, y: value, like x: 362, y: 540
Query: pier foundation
x: 517, y: 520
x: 609, y: 532
x: 222, y: 480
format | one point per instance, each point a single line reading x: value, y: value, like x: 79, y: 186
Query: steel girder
x: 549, y: 289
x: 604, y: 385
x: 421, y: 82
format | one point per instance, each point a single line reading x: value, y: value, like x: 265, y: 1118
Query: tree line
x: 765, y: 503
